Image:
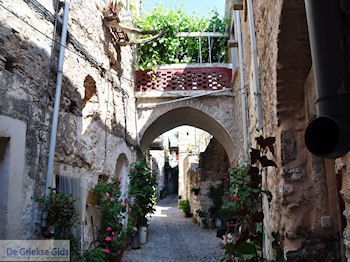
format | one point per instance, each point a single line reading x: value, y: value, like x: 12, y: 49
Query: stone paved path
x: 172, y: 237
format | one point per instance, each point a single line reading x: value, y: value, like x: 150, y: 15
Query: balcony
x: 188, y: 77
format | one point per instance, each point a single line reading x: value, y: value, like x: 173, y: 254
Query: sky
x: 200, y: 7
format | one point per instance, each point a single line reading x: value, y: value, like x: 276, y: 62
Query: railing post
x: 209, y: 45
x: 200, y: 49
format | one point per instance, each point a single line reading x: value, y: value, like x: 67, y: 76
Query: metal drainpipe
x: 256, y: 77
x: 328, y: 134
x: 243, y: 89
x: 57, y: 99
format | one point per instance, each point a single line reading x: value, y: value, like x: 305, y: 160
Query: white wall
x: 13, y: 175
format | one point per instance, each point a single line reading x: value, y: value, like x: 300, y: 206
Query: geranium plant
x: 112, y: 236
x: 62, y: 215
x: 242, y: 208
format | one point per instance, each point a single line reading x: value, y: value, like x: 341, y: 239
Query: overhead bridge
x: 198, y: 95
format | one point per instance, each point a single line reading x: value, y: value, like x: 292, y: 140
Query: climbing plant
x: 242, y: 209
x: 143, y: 189
x: 170, y: 49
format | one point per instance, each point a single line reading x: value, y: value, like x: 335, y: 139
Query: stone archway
x: 192, y: 117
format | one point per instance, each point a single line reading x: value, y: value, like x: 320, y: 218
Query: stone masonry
x: 97, y: 113
x: 305, y: 209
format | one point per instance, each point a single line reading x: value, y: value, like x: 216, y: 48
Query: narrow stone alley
x: 172, y: 237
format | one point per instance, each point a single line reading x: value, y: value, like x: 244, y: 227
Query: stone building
x: 279, y: 78
x: 96, y: 128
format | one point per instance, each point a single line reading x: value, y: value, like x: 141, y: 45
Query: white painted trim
x: 204, y: 65
x: 202, y: 34
x: 16, y: 130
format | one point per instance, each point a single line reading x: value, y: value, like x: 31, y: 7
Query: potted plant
x: 96, y: 254
x: 242, y: 208
x: 113, y: 236
x: 61, y: 218
x: 215, y: 194
x: 185, y: 206
x: 61, y: 214
x: 203, y: 218
x: 143, y: 188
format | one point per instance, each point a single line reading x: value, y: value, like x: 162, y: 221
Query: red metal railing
x: 185, y: 78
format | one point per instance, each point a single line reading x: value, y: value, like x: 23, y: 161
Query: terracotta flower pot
x: 92, y: 199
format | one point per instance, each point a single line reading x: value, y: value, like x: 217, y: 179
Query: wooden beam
x: 139, y: 41
x: 238, y: 5
x: 124, y: 28
x: 201, y: 34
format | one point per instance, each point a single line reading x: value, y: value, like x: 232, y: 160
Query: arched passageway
x: 188, y: 116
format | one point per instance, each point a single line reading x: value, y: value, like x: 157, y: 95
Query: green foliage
x: 143, y: 190
x: 170, y: 49
x: 243, y: 204
x: 185, y: 206
x: 201, y: 213
x: 96, y: 254
x: 62, y: 215
x: 215, y: 194
x: 112, y: 237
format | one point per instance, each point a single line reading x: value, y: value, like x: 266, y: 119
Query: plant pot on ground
x: 203, y: 218
x: 143, y: 234
x: 135, y: 240
x: 185, y: 206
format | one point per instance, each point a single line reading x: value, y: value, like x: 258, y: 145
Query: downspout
x: 57, y: 99
x: 256, y: 77
x: 242, y: 82
x: 328, y: 135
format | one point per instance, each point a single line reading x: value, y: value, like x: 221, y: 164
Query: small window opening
x: 9, y: 63
x: 90, y: 88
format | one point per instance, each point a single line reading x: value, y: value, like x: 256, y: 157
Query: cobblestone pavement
x: 172, y: 237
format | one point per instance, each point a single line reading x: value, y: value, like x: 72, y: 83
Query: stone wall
x: 97, y: 113
x: 213, y: 165
x: 304, y: 210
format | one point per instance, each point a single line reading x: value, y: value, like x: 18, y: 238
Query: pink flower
x: 235, y: 197
x: 113, y: 233
x: 107, y: 194
x: 107, y: 251
x: 122, y: 204
x: 120, y: 179
x: 108, y: 239
x: 126, y: 199
x: 108, y: 229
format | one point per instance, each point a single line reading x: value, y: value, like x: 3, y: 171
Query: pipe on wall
x: 242, y: 82
x: 328, y: 135
x: 56, y: 109
x: 256, y: 75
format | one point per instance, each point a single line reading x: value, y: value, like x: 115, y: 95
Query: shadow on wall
x: 27, y: 86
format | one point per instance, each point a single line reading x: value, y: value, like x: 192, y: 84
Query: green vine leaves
x: 170, y: 49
